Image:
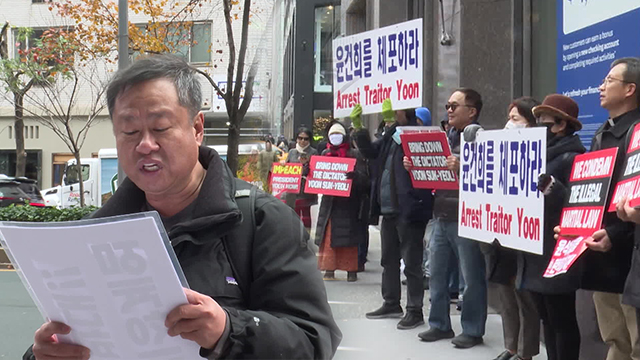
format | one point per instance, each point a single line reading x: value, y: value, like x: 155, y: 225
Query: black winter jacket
x: 531, y: 267
x: 286, y: 293
x: 608, y: 271
x: 414, y: 205
x: 348, y: 219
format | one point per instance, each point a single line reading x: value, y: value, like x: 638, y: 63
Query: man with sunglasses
x: 463, y: 109
x: 607, y: 266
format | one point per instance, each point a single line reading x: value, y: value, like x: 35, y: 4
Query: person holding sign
x: 609, y: 264
x: 302, y: 153
x: 405, y: 212
x: 254, y: 291
x: 341, y: 220
x: 463, y: 109
x: 555, y: 297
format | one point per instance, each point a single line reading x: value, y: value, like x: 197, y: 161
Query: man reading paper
x: 282, y: 312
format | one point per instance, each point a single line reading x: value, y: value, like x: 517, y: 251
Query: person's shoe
x: 505, y: 355
x: 453, y: 296
x: 329, y: 275
x: 386, y: 312
x: 463, y: 341
x: 410, y: 321
x: 404, y: 282
x: 435, y: 334
x: 352, y: 276
x: 361, y: 268
x: 516, y: 357
x: 425, y: 282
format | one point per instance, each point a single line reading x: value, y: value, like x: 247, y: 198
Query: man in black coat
x: 608, y: 266
x: 405, y: 212
x: 281, y: 312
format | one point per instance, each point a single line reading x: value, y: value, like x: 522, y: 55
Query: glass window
x: 201, y: 43
x: 72, y: 174
x: 193, y: 43
x: 327, y: 28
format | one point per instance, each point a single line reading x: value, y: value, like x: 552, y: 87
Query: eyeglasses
x: 608, y: 80
x: 301, y: 138
x: 454, y: 106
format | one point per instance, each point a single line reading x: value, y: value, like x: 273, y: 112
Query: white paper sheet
x: 111, y: 280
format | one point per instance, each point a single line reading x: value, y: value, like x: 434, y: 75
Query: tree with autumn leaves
x: 95, y: 25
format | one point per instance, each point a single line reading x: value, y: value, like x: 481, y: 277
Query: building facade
x: 208, y: 50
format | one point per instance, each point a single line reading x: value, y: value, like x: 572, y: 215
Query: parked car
x: 29, y: 187
x: 10, y: 193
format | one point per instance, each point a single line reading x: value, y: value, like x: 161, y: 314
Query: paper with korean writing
x: 285, y: 178
x: 428, y: 153
x: 498, y: 188
x: 565, y: 254
x: 372, y: 66
x: 328, y: 176
x: 113, y: 283
x: 588, y: 188
x: 629, y: 183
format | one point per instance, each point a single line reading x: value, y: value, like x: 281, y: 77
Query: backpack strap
x: 239, y: 242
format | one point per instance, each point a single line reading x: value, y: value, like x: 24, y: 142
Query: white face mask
x: 336, y: 139
x: 514, y: 125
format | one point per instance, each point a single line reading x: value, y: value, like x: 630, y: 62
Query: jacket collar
x: 215, y: 206
x: 621, y: 123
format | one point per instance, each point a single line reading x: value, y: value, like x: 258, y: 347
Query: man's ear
x: 632, y: 90
x: 474, y: 113
x: 198, y: 128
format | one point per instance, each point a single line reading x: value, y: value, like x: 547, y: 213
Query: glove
x: 388, y: 115
x: 351, y: 175
x: 355, y: 117
x: 471, y: 131
x: 545, y: 183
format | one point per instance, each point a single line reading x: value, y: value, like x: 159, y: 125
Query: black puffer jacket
x: 608, y: 271
x: 414, y: 205
x: 560, y: 155
x: 286, y: 293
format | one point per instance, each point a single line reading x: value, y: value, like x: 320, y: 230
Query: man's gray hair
x: 631, y: 74
x: 154, y: 67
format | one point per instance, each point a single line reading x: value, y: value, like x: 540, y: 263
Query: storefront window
x: 327, y: 28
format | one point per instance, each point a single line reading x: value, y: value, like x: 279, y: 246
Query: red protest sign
x: 428, y: 153
x: 285, y: 178
x: 589, y: 185
x: 565, y: 254
x: 629, y: 183
x: 327, y: 176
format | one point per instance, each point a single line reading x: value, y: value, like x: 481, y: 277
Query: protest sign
x: 372, y: 66
x: 285, y: 178
x: 327, y: 176
x: 498, y: 188
x: 112, y: 280
x: 566, y: 253
x: 629, y: 183
x: 588, y: 185
x: 428, y: 153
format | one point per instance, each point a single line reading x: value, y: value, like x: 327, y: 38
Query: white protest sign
x: 372, y: 66
x: 498, y: 188
x: 112, y: 282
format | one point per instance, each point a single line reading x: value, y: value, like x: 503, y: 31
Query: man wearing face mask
x: 405, y: 212
x: 341, y: 220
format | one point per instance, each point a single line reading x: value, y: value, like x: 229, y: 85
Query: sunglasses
x: 301, y: 138
x: 454, y: 106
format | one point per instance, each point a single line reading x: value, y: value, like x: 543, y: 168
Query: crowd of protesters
x: 447, y: 263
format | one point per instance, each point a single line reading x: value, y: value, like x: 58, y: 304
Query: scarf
x: 337, y: 151
x: 302, y: 150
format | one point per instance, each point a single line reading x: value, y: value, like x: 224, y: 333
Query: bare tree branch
x: 241, y: 56
x: 232, y: 56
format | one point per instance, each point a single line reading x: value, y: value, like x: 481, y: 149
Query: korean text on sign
x: 628, y: 185
x: 285, y: 178
x: 498, y: 188
x: 328, y: 176
x: 428, y: 153
x: 588, y: 186
x: 567, y: 251
x: 372, y: 66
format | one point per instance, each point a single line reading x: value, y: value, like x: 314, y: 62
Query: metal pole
x: 123, y: 53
